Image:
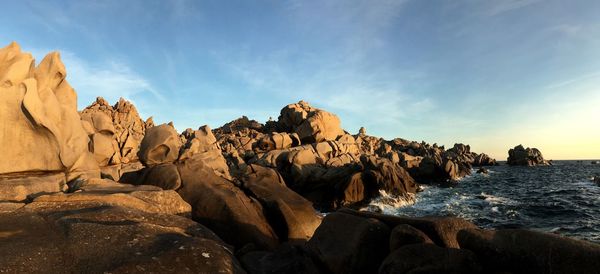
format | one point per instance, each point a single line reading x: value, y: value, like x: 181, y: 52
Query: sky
x: 492, y: 74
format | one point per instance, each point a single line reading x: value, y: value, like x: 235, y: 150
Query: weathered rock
x: 121, y: 127
x: 292, y: 216
x: 405, y: 235
x: 441, y: 230
x: 161, y: 144
x: 223, y: 207
x: 520, y: 156
x: 524, y: 251
x: 202, y: 145
x: 347, y: 243
x: 114, y: 172
x: 483, y: 160
x: 143, y: 198
x: 429, y: 258
x: 277, y: 140
x: 286, y: 259
x: 330, y: 174
x: 95, y: 236
x: 40, y: 129
x: 311, y: 124
x: 237, y: 125
x: 22, y: 187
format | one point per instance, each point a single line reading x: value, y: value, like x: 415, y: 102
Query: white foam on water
x: 388, y: 203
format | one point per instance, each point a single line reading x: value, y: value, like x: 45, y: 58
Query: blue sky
x: 493, y: 74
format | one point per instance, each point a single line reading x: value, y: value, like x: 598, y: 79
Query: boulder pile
x: 520, y: 156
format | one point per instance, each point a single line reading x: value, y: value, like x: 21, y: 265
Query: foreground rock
x: 520, y: 156
x: 110, y: 227
x: 38, y: 108
x: 523, y: 251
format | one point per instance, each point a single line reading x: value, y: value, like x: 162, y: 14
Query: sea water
x: 561, y: 199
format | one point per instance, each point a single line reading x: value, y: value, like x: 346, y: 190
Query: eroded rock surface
x: 38, y: 107
x: 115, y: 131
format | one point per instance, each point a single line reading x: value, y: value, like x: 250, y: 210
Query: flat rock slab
x: 95, y: 237
x: 21, y: 187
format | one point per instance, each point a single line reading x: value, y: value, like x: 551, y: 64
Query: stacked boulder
x: 316, y: 158
x: 254, y: 209
x: 116, y: 133
x: 520, y: 156
x: 428, y: 163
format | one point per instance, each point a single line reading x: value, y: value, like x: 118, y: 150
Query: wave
x: 388, y: 203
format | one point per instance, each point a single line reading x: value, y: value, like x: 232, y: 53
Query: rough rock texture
x: 202, y: 145
x: 115, y: 131
x: 429, y: 258
x: 441, y: 230
x: 311, y: 124
x: 347, y: 243
x: 28, y: 186
x: 38, y: 107
x: 520, y: 156
x: 96, y: 236
x: 292, y: 216
x: 523, y: 251
x: 224, y: 208
x: 332, y: 174
x: 161, y: 144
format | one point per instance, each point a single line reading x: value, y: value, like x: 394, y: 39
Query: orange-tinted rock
x: 40, y: 129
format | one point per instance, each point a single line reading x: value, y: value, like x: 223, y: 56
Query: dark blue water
x: 561, y: 199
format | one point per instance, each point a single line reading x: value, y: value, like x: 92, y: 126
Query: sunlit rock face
x: 40, y: 129
x: 311, y: 124
x: 116, y: 132
x: 520, y: 156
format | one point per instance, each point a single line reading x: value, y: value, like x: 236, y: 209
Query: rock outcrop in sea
x: 103, y: 191
x: 520, y: 156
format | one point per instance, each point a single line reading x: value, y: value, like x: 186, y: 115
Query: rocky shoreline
x: 104, y: 191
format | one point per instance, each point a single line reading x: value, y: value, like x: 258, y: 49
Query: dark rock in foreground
x: 523, y: 251
x: 520, y: 156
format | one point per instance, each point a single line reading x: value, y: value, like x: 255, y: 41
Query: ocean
x: 560, y: 199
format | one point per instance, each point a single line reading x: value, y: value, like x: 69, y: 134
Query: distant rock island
x: 520, y: 156
x: 102, y: 190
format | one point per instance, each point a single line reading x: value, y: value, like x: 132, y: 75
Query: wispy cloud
x: 111, y: 79
x: 497, y: 7
x: 574, y: 80
x: 348, y: 76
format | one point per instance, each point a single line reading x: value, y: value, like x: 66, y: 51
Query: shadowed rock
x: 429, y: 258
x: 350, y: 244
x: 520, y: 156
x: 523, y: 251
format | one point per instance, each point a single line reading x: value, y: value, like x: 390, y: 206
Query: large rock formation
x: 40, y: 129
x: 116, y: 132
x: 520, y: 156
x: 311, y: 124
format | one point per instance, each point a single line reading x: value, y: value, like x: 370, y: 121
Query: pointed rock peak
x: 101, y: 101
x: 15, y: 66
x: 51, y: 71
